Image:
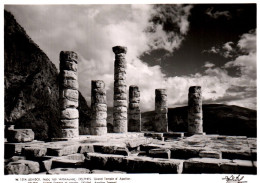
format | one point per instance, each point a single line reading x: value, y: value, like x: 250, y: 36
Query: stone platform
x: 172, y: 153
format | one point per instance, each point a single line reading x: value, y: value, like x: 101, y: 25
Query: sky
x: 172, y: 46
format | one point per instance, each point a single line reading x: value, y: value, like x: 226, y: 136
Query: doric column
x: 134, y: 113
x: 68, y: 91
x: 120, y: 95
x: 161, y: 110
x: 195, y: 123
x: 98, y: 125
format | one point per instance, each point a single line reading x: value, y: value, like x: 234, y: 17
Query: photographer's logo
x: 234, y: 179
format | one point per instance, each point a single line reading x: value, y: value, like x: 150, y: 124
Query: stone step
x: 57, y: 171
x: 210, y: 165
x: 133, y: 164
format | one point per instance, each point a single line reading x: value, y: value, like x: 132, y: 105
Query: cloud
x: 168, y: 26
x: 209, y: 65
x: 218, y: 14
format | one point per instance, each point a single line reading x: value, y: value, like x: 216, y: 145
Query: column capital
x: 68, y: 55
x: 119, y: 49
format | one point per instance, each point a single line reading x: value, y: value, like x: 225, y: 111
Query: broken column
x: 69, y: 95
x: 161, y: 110
x: 134, y: 113
x: 120, y: 102
x: 195, y: 125
x: 98, y: 125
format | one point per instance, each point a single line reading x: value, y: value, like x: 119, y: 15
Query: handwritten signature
x: 234, y: 179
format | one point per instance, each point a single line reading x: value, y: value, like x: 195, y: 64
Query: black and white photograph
x: 130, y: 89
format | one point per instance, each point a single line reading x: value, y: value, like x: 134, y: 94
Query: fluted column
x: 120, y: 95
x: 98, y: 125
x: 195, y: 122
x: 68, y: 92
x: 161, y: 110
x: 134, y: 113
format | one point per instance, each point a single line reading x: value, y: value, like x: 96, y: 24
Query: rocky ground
x: 149, y: 152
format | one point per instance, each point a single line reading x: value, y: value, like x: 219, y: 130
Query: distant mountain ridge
x: 31, y: 85
x: 217, y: 119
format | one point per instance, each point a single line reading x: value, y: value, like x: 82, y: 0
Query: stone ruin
x: 128, y: 149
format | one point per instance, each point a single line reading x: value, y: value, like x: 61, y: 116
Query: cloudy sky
x: 169, y: 46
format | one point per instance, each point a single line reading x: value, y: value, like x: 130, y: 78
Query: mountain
x: 31, y: 85
x: 217, y: 119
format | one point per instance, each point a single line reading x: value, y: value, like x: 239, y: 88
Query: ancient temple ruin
x: 158, y: 151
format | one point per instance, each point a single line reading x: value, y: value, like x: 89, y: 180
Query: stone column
x: 195, y: 125
x: 98, y: 124
x: 120, y: 102
x: 134, y: 113
x: 68, y: 91
x: 161, y: 110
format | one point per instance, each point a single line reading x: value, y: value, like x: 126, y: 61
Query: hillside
x: 217, y: 119
x: 31, y: 84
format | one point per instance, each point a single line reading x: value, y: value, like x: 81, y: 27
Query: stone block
x: 120, y: 116
x: 118, y: 83
x: 153, y: 165
x: 73, y: 160
x: 69, y: 75
x: 110, y: 149
x: 66, y: 103
x: 210, y: 154
x: 120, y: 89
x: 69, y: 65
x: 99, y: 107
x: 70, y: 113
x: 239, y: 167
x: 86, y: 148
x: 70, y: 123
x: 105, y: 161
x: 120, y: 96
x: 120, y: 103
x: 98, y: 99
x: 34, y: 152
x: 202, y: 165
x: 71, y: 84
x: 160, y: 153
x: 185, y: 152
x: 99, y: 115
x: 70, y: 94
x: 238, y: 154
x: 22, y: 167
x: 62, y: 150
x: 20, y: 135
x: 120, y: 109
x: 69, y: 133
x: 120, y: 76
